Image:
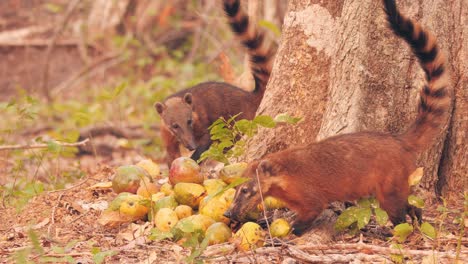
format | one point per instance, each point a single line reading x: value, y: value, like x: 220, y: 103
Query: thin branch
x: 53, y: 41
x: 263, y: 206
x: 36, y: 146
x: 52, y: 218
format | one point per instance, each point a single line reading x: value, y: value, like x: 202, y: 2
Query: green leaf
x: 402, y: 231
x: 243, y: 126
x: 233, y: 184
x: 416, y: 201
x: 428, y: 230
x: 364, y: 203
x: 159, y: 235
x: 285, y: 118
x: 186, y: 227
x: 35, y: 241
x: 381, y: 216
x: 264, y: 121
x: 118, y: 90
x: 99, y: 257
x: 230, y: 120
x: 346, y: 219
x: 397, y: 258
x: 270, y: 26
x: 363, y: 216
x: 53, y: 8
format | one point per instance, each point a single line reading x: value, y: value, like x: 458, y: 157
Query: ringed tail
x: 435, y: 96
x: 260, y: 52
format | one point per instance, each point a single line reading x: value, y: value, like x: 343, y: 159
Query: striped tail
x: 435, y: 97
x: 261, y: 53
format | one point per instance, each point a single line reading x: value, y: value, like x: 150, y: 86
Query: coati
x: 350, y: 166
x: 187, y: 114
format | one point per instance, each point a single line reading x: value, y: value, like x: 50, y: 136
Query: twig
x: 52, y: 220
x: 36, y: 146
x: 263, y: 206
x: 71, y: 187
x: 45, y: 78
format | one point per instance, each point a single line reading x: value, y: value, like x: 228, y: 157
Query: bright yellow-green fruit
x: 218, y: 233
x: 213, y: 186
x: 150, y: 167
x: 232, y: 172
x: 115, y: 204
x: 167, y: 189
x: 165, y: 219
x: 132, y: 205
x: 280, y: 228
x: 250, y: 235
x: 189, y: 194
x: 183, y: 211
x: 228, y: 196
x: 165, y: 202
x: 214, y: 208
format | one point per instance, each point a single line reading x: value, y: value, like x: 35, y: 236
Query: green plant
x: 357, y: 217
x: 230, y: 136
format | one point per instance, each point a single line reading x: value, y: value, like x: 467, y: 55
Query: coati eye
x: 175, y: 126
x: 189, y: 122
x: 244, y: 190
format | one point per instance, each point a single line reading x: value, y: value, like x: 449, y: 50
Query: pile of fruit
x: 186, y: 199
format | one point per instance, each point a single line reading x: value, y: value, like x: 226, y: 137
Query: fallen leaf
x: 101, y: 185
x: 416, y: 176
x: 113, y: 218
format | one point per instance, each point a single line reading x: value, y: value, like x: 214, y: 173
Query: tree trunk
x: 342, y: 70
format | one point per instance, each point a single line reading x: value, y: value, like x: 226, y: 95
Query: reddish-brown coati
x: 187, y: 114
x: 350, y: 166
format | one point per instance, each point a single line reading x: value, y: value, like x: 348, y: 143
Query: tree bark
x: 342, y: 70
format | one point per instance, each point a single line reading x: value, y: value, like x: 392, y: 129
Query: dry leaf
x: 101, y: 185
x: 113, y: 218
x: 416, y: 176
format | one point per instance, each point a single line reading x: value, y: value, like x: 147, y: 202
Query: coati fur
x: 187, y: 114
x: 350, y: 166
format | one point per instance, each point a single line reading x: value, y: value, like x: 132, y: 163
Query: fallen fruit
x: 272, y: 203
x: 127, y: 178
x: 213, y: 186
x: 232, y: 172
x: 280, y: 228
x: 185, y: 169
x: 115, y: 204
x: 150, y: 167
x: 183, y: 211
x: 132, y: 206
x: 165, y: 202
x: 147, y: 189
x: 214, y: 208
x: 250, y: 236
x: 189, y: 193
x: 166, y: 219
x: 218, y: 233
x: 167, y: 189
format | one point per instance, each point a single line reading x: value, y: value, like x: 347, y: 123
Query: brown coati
x: 350, y: 166
x: 187, y: 114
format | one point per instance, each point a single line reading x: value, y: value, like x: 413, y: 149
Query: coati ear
x: 159, y: 107
x: 265, y: 167
x: 188, y: 98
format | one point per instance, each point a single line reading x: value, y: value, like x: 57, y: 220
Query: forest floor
x: 49, y: 209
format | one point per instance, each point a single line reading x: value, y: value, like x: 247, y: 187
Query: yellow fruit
x: 147, y: 189
x: 189, y: 194
x: 165, y: 219
x: 213, y: 186
x: 150, y: 167
x: 155, y: 197
x: 115, y: 204
x: 166, y: 188
x: 280, y: 228
x: 127, y: 178
x: 214, y: 208
x: 192, y: 224
x: 228, y: 196
x: 232, y: 172
x: 272, y: 203
x: 185, y: 169
x: 183, y: 211
x: 132, y: 205
x: 250, y: 236
x: 218, y: 233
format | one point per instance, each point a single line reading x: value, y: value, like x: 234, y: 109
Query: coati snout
x: 177, y: 115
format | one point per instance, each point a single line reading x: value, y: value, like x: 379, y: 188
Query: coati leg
x: 304, y: 221
x: 415, y: 213
x: 395, y: 203
x: 171, y: 143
